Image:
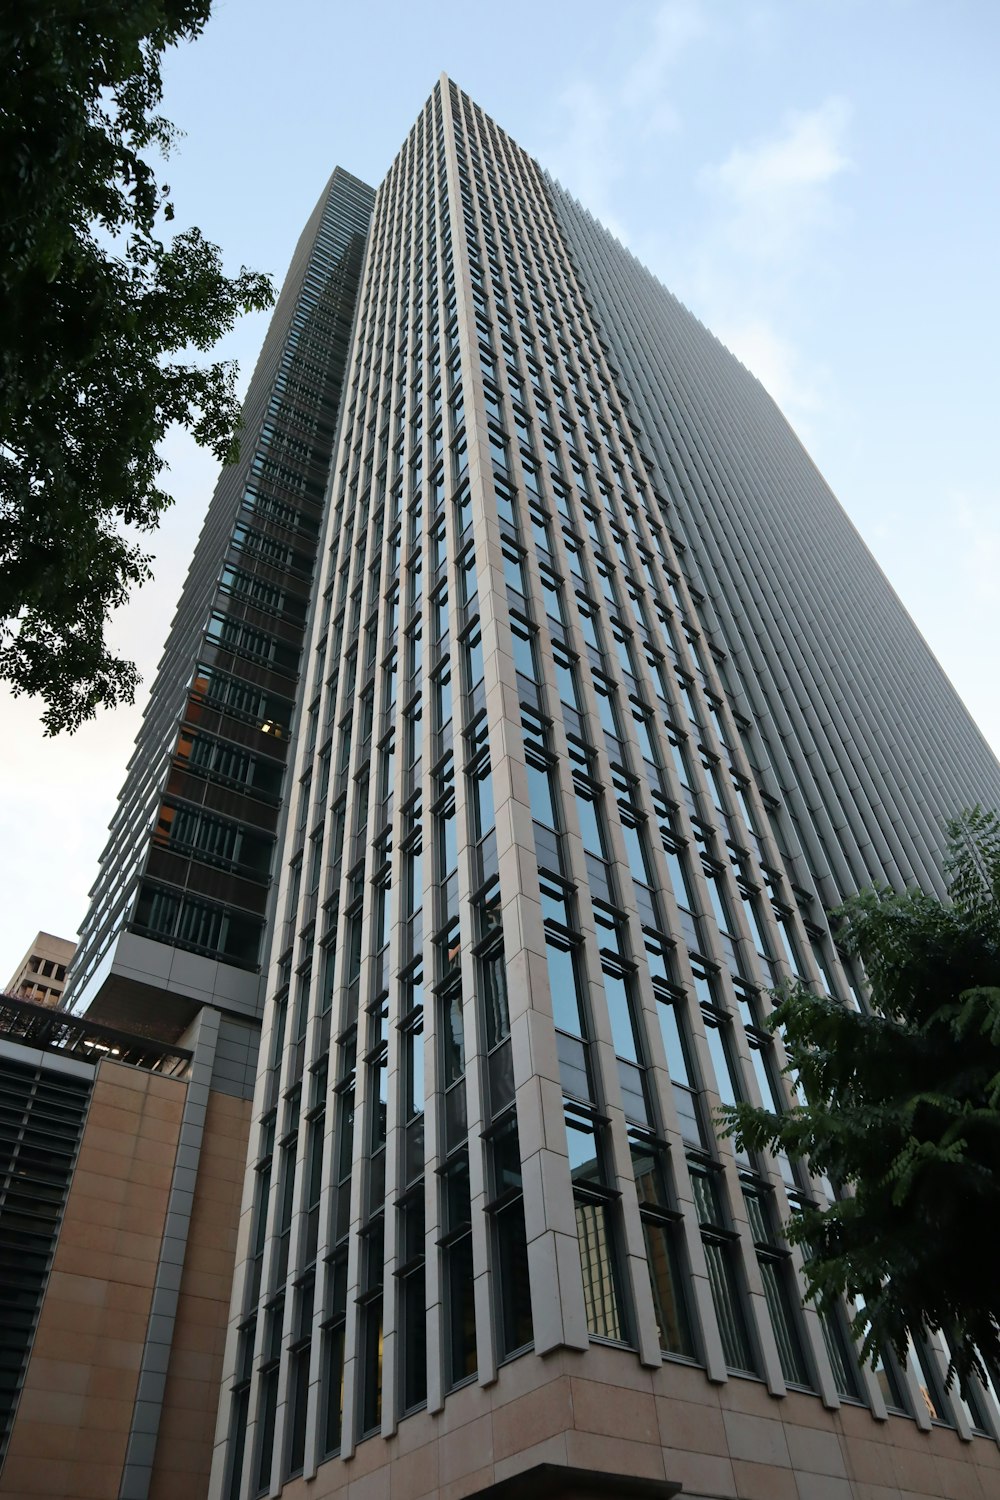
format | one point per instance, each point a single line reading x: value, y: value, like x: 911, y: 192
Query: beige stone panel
x: 166, y: 1109
x: 916, y: 1470
x: 760, y: 1441
x: 60, y: 1375
x: 96, y: 1481
x: 680, y: 1382
x: 466, y: 1405
x: 814, y: 1452
x: 701, y: 1473
x: 533, y: 1418
x: 466, y: 1450
x: 551, y: 1450
x: 763, y: 1481
x: 106, y: 1413
x: 107, y: 1383
x: 468, y: 1484
x: 81, y: 1379
x: 614, y: 1411
x: 115, y: 1142
x: 823, y: 1487
x: 97, y: 1185
x: 614, y: 1455
x: 870, y: 1462
x: 691, y: 1425
x: 183, y: 1430
x: 964, y: 1481
x: 58, y: 1440
x: 416, y: 1475
x: 806, y: 1411
x: 751, y: 1397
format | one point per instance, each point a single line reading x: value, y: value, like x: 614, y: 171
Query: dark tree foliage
x: 902, y: 1112
x: 95, y: 309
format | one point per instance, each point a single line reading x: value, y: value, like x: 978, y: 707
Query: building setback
x: 602, y: 703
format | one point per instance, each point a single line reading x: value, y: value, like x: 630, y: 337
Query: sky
x: 816, y: 179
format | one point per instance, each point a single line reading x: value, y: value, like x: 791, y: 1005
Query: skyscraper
x: 179, y: 912
x: 602, y: 704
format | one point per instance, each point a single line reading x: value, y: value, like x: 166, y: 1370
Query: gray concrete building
x: 598, y: 703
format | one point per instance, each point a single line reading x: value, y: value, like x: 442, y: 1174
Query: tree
x: 902, y: 1112
x: 95, y: 309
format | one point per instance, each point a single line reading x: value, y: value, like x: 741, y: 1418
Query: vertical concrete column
x: 137, y: 1473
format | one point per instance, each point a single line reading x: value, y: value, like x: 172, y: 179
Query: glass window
x: 780, y: 1292
x: 541, y: 795
x: 515, y: 1325
x: 591, y: 823
x: 566, y: 683
x: 663, y: 1257
x: 596, y: 1229
x: 724, y: 1277
x: 452, y: 1037
x: 564, y: 985
x: 412, y: 1300
x: 525, y: 652
x: 483, y: 813
x: 460, y: 1307
x: 493, y: 971
x: 616, y: 989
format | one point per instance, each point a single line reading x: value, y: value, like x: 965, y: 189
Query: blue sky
x: 816, y: 179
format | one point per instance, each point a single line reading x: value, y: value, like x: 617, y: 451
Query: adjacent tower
x: 180, y: 911
x: 603, y: 704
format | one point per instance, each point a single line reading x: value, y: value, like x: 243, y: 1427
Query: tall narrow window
x: 596, y: 1226
x: 456, y: 1245
x: 412, y: 1296
x: 724, y: 1274
x: 660, y: 1223
x: 780, y: 1291
x: 372, y: 1258
x: 514, y: 1330
x: 298, y: 1378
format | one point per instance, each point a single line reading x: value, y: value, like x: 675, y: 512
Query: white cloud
x: 776, y: 363
x: 595, y: 120
x: 773, y: 195
x: 976, y: 518
x: 583, y: 155
x: 771, y: 206
x: 676, y: 26
x: 962, y: 634
x: 767, y: 208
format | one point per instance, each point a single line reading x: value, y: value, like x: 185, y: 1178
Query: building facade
x: 582, y: 746
x: 179, y: 914
x: 121, y: 1167
x: 587, y: 752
